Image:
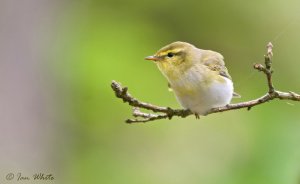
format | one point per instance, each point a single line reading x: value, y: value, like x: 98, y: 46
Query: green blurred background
x: 59, y: 115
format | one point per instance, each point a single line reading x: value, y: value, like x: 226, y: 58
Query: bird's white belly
x: 200, y: 97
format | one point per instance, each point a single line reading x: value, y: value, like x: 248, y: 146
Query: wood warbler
x: 198, y: 77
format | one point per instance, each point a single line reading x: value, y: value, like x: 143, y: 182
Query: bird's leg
x: 197, y: 116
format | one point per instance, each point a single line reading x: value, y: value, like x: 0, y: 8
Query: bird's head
x: 176, y: 57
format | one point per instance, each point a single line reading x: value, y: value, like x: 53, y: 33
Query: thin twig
x: 167, y: 112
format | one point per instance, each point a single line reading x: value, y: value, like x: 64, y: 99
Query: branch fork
x: 167, y: 112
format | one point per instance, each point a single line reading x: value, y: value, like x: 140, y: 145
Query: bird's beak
x: 152, y: 58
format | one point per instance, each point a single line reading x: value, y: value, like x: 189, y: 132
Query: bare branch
x: 167, y: 112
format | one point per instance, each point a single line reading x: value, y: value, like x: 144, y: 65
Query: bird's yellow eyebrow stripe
x: 163, y: 53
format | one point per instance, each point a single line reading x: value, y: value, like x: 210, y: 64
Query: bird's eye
x: 170, y: 54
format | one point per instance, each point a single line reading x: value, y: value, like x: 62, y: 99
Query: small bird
x: 198, y: 77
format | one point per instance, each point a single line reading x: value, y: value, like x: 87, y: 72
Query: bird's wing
x: 215, y: 62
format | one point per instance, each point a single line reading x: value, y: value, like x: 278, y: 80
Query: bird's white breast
x: 199, y: 92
